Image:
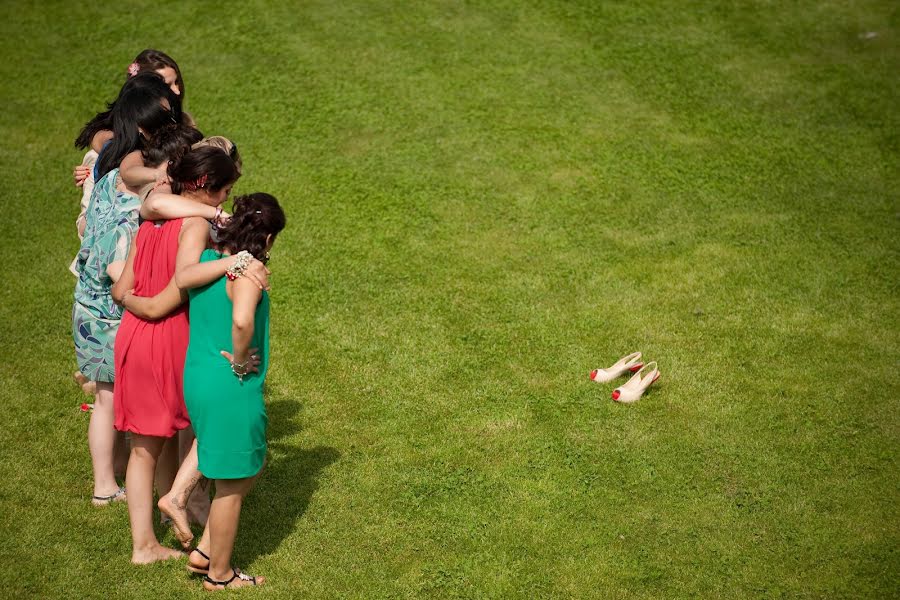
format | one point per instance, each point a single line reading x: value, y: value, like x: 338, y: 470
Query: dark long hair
x: 170, y: 143
x: 103, y: 120
x: 207, y: 167
x: 138, y: 106
x: 151, y: 60
x: 147, y: 61
x: 254, y: 218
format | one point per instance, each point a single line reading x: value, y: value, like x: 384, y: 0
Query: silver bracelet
x: 240, y: 369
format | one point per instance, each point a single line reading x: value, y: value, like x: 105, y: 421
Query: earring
x: 267, y: 256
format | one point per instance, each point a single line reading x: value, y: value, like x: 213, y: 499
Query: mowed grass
x: 486, y: 201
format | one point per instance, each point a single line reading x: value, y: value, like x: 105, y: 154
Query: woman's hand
x: 251, y: 364
x: 257, y: 272
x: 80, y: 174
x: 162, y: 176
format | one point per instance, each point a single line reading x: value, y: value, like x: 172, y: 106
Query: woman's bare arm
x: 164, y: 205
x: 134, y: 173
x: 244, y: 298
x: 100, y: 138
x: 191, y: 273
x: 124, y: 281
x: 158, y: 306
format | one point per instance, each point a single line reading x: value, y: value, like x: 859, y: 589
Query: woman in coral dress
x: 149, y: 354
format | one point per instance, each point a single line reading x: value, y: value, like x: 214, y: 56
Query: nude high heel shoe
x: 637, y: 385
x: 631, y: 363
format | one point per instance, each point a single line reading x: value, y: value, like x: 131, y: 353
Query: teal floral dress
x: 111, y: 223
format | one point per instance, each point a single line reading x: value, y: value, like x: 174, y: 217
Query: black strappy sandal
x: 198, y: 570
x: 224, y: 584
x: 119, y: 496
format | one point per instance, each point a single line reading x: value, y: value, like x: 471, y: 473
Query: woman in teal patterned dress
x: 144, y: 108
x: 111, y: 222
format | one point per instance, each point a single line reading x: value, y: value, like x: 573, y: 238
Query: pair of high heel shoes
x: 634, y: 388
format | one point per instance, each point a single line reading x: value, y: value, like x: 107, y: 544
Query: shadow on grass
x: 284, y: 488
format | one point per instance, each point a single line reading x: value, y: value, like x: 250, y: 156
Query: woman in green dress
x: 224, y: 371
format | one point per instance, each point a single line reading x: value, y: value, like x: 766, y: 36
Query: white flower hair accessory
x: 133, y: 69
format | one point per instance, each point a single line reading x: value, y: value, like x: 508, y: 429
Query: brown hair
x: 207, y: 168
x: 169, y: 144
x: 254, y: 218
x: 151, y: 60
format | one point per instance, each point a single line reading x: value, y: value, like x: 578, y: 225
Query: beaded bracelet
x: 241, y: 262
x: 240, y: 369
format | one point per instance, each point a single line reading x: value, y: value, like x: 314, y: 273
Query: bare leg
x: 198, y: 561
x: 101, y: 438
x: 223, y: 525
x: 203, y: 544
x: 120, y: 454
x: 198, y: 499
x: 166, y: 466
x: 145, y: 451
x: 174, y: 504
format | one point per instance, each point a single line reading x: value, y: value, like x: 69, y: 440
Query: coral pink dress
x: 149, y: 355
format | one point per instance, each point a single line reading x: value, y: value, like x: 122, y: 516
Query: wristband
x: 240, y: 369
x: 241, y: 262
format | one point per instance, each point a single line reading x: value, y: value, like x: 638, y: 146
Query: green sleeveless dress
x: 228, y: 416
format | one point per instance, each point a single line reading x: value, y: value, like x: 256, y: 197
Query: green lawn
x: 485, y: 201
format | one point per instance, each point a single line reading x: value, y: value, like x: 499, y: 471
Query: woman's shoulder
x: 108, y: 183
x: 193, y: 223
x: 210, y: 254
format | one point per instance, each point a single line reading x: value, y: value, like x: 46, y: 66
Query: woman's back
x: 210, y: 318
x: 111, y: 223
x: 228, y: 414
x: 149, y: 355
x: 154, y: 259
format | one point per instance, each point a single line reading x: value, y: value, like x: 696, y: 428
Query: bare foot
x: 154, y: 554
x: 198, y: 562
x: 236, y: 580
x: 106, y: 499
x: 87, y: 386
x: 171, y: 508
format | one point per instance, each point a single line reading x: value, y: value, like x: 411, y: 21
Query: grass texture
x: 485, y: 201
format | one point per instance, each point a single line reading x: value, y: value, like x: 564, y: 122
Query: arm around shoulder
x: 165, y: 205
x: 133, y: 171
x: 158, y: 306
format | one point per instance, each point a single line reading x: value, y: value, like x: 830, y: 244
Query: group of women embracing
x: 171, y: 319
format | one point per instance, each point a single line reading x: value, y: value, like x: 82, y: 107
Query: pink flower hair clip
x: 198, y: 183
x: 133, y: 69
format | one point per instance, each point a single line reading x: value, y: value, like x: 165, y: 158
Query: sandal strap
x: 237, y: 574
x: 222, y: 583
x: 244, y: 577
x: 200, y: 552
x: 118, y: 493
